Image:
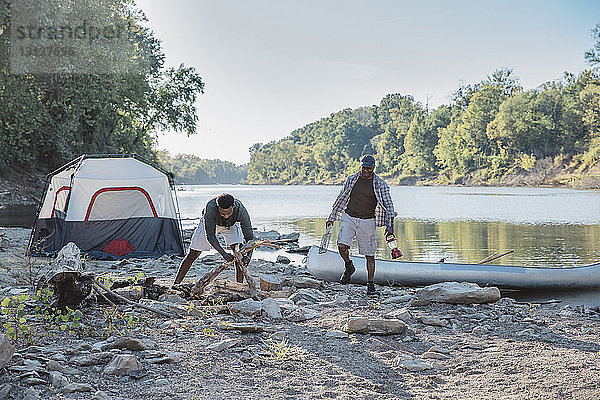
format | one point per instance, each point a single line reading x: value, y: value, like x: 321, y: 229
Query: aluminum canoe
x: 329, y: 266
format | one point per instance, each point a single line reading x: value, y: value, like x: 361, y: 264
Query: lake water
x: 544, y: 226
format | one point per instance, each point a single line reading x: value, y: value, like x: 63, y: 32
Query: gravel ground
x: 505, y: 350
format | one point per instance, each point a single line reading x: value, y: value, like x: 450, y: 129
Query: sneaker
x: 345, y: 278
x: 371, y: 289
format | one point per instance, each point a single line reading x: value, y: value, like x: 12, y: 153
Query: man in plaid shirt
x: 363, y: 204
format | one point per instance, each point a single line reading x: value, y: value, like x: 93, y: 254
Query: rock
x: 243, y: 328
x: 269, y: 283
x: 123, y: 364
x: 305, y: 282
x: 53, y: 365
x: 77, y: 388
x: 374, y: 326
x: 100, y: 395
x: 58, y: 380
x: 340, y: 300
x: 7, y: 350
x: 88, y: 360
x: 299, y: 250
x: 434, y: 355
x: 526, y: 332
x: 414, y: 302
x: 283, y: 260
x: 302, y: 314
x: 357, y: 325
x: 286, y: 305
x: 248, y: 307
x: 34, y: 381
x: 402, y: 314
x: 104, y: 344
x: 168, y: 357
x: 309, y: 295
x: 480, y: 330
x: 458, y: 293
x: 412, y: 364
x: 271, y: 308
x: 290, y: 237
x: 440, y: 349
x: 267, y: 235
x: 336, y: 334
x: 132, y: 344
x: 173, y: 298
x: 433, y: 321
x: 397, y: 299
x: 34, y: 349
x: 134, y: 293
x: 223, y: 344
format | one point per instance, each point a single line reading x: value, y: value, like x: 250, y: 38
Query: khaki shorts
x: 232, y: 235
x: 363, y: 229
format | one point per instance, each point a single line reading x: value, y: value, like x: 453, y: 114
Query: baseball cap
x: 368, y: 161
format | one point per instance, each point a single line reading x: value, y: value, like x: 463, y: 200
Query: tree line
x: 192, y: 170
x: 490, y: 129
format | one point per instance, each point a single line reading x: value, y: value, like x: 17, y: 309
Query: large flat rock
x: 458, y: 293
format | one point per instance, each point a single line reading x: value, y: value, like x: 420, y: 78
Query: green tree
x: 592, y: 56
x: 419, y: 143
x: 49, y: 117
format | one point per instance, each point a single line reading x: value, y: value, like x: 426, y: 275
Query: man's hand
x: 228, y: 257
x: 328, y: 224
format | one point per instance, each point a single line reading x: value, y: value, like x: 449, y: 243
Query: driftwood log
x: 208, y: 278
x: 69, y: 288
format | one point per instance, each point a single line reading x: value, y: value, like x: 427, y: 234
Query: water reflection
x: 19, y: 216
x: 472, y: 241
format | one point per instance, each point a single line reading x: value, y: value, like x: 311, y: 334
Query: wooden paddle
x: 495, y: 256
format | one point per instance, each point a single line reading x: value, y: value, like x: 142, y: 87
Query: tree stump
x: 269, y: 283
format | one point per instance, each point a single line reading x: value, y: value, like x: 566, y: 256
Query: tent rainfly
x: 111, y: 206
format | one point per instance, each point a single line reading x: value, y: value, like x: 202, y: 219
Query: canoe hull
x: 329, y: 266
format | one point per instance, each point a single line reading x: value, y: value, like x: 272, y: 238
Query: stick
x: 204, y: 281
x: 251, y: 285
x: 208, y: 278
x: 103, y: 295
x: 488, y: 259
x: 133, y: 303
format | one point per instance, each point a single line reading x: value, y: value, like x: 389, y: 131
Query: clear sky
x: 271, y: 66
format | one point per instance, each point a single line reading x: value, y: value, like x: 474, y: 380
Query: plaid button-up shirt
x: 384, y: 211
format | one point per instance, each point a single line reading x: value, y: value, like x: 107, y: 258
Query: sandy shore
x: 505, y: 350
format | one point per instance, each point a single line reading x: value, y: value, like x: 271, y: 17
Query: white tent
x: 111, y: 207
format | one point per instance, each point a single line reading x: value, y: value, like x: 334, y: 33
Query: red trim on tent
x: 119, y: 247
x: 118, y: 189
x: 56, y: 198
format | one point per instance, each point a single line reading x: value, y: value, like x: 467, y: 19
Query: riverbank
x: 298, y: 346
x: 25, y: 188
